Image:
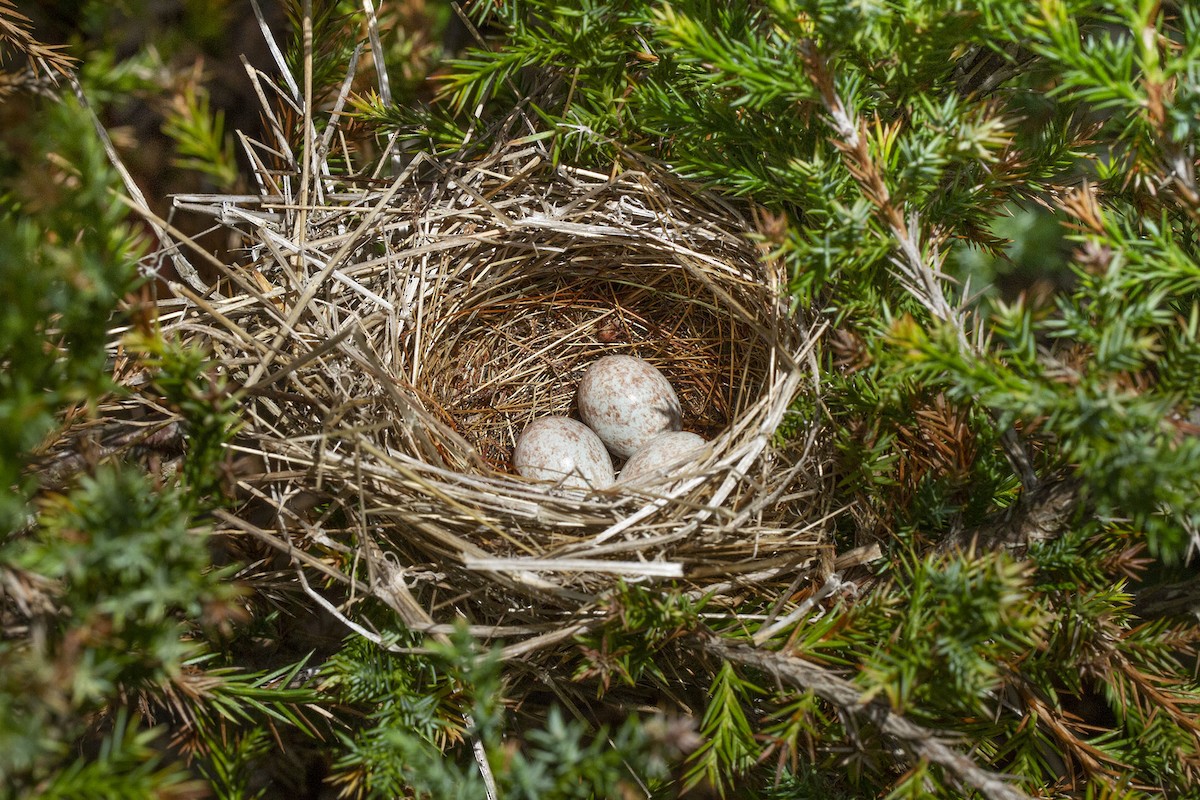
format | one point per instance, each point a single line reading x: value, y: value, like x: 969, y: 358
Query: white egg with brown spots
x: 565, y: 451
x: 663, y: 455
x: 627, y: 401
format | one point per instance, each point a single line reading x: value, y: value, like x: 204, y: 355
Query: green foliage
x: 729, y: 747
x: 565, y: 760
x: 200, y: 138
x: 188, y: 384
x: 426, y: 713
x: 230, y: 768
x: 109, y: 580
x: 128, y: 766
x: 127, y: 562
x: 945, y: 629
x: 118, y: 568
x: 412, y: 710
x: 234, y: 718
x: 329, y: 38
x: 66, y: 256
x: 1109, y: 430
x: 639, y: 624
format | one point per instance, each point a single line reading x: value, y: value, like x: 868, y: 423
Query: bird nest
x: 390, y: 337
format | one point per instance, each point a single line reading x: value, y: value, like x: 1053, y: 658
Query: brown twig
x: 1039, y: 515
x: 843, y: 694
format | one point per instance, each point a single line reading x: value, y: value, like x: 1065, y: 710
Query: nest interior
x: 390, y: 338
x: 505, y: 352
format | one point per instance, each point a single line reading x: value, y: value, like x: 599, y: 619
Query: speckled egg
x: 626, y: 401
x: 565, y: 451
x: 661, y: 451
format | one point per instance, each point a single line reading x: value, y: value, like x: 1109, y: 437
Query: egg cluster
x: 629, y: 409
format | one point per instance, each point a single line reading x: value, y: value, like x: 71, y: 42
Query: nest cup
x: 392, y: 356
x: 512, y: 346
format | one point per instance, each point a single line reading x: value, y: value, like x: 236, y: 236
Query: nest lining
x: 503, y: 359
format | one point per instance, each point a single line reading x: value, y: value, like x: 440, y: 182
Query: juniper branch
x: 843, y: 694
x: 922, y: 279
x: 1039, y: 515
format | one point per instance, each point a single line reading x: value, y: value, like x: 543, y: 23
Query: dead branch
x: 843, y: 694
